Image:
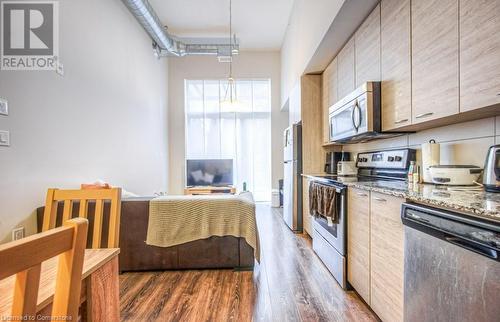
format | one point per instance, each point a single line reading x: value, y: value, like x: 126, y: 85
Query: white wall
x: 309, y: 21
x: 106, y: 118
x: 246, y: 65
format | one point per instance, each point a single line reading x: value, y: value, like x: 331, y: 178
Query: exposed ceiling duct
x: 168, y: 45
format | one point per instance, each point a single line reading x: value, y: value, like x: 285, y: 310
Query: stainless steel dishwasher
x: 452, y: 266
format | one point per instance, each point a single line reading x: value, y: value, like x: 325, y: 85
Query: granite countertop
x: 477, y: 203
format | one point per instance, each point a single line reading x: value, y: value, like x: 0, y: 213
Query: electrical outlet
x: 4, y: 106
x: 17, y: 233
x: 4, y: 138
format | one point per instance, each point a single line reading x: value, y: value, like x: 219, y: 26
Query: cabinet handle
x: 424, y: 115
x: 379, y: 199
x: 362, y: 194
x: 401, y: 121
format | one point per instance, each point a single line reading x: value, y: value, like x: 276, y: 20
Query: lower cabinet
x: 375, y: 254
x: 358, y: 242
x: 387, y: 257
x: 306, y: 216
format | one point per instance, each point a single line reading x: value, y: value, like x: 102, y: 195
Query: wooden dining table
x: 99, y: 293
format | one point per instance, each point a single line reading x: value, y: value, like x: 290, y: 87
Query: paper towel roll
x: 430, y: 157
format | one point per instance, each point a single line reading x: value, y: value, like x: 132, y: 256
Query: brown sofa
x: 135, y: 255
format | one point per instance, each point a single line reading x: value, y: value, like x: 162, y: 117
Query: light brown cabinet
x: 386, y: 257
x: 437, y: 60
x: 306, y: 215
x: 358, y: 242
x: 434, y: 59
x: 479, y: 54
x: 395, y: 64
x: 346, y: 70
x: 367, y: 49
x: 313, y: 155
x: 375, y: 251
x: 330, y: 96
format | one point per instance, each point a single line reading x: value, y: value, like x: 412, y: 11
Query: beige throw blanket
x: 175, y: 220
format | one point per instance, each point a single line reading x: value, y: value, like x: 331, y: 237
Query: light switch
x: 4, y: 107
x: 4, y: 138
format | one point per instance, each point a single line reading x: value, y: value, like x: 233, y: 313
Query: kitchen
x: 406, y: 156
x: 374, y: 123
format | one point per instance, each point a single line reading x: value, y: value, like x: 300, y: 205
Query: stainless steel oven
x: 329, y: 240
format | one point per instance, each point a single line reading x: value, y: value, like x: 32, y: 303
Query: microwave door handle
x: 352, y: 117
x: 332, y: 134
x: 359, y: 115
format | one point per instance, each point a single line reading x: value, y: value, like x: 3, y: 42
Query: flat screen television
x: 209, y: 172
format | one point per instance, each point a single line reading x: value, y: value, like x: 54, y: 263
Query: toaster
x: 347, y: 168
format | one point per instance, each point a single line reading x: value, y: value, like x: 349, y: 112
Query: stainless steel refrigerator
x: 292, y: 185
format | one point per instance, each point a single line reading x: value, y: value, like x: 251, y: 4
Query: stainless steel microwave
x: 357, y: 117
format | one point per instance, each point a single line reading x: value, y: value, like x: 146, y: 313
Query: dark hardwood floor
x: 290, y: 284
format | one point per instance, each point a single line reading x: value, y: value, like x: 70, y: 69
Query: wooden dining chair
x: 24, y: 258
x: 54, y: 196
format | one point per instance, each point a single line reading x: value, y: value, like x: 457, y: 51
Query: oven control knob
x: 365, y: 160
x: 398, y: 158
x: 390, y: 159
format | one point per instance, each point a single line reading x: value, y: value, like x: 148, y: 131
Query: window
x: 242, y: 134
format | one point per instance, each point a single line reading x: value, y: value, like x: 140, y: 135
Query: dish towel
x: 323, y: 201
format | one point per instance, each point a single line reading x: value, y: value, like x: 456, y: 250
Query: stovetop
x: 340, y: 179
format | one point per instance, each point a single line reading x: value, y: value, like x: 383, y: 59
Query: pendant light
x: 229, y: 103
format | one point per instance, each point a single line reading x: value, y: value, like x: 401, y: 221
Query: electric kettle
x: 491, y: 175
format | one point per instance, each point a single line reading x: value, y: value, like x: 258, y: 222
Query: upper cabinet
x: 346, y: 75
x: 312, y: 133
x: 330, y: 97
x: 434, y: 59
x: 438, y: 60
x: 479, y: 54
x: 395, y: 64
x: 367, y: 49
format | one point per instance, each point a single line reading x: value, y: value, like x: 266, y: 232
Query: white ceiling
x: 258, y: 24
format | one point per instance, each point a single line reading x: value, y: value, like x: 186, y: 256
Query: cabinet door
x: 333, y: 83
x: 367, y: 49
x: 396, y: 64
x: 479, y: 54
x: 434, y: 59
x: 306, y: 215
x: 346, y: 77
x: 387, y: 257
x: 329, y: 96
x: 358, y: 242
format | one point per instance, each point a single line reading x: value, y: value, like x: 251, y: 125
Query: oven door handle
x: 339, y: 190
